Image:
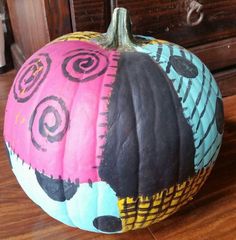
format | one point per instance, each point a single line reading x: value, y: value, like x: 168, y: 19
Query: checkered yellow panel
x: 82, y: 36
x: 144, y: 211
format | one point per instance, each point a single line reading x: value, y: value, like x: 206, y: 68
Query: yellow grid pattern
x: 82, y: 36
x: 87, y: 36
x: 144, y: 211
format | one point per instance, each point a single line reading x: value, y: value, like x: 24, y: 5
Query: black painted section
x: 107, y: 224
x: 149, y: 144
x: 183, y: 66
x: 56, y: 189
x: 219, y: 115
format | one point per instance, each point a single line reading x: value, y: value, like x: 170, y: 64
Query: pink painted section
x: 68, y: 142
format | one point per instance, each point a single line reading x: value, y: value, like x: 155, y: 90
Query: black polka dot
x: 107, y: 223
x: 219, y: 115
x: 183, y: 66
x: 56, y: 189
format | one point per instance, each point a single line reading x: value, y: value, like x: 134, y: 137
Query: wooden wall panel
x: 28, y: 24
x: 35, y: 23
x: 217, y: 55
x: 166, y: 19
x: 58, y: 17
x: 90, y: 15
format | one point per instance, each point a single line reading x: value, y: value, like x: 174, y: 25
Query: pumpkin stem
x: 119, y: 35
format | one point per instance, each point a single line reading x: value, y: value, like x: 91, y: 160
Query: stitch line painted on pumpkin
x: 207, y: 151
x: 210, y: 162
x: 187, y: 90
x: 200, y: 93
x: 107, y: 88
x: 205, y: 104
x: 180, y: 85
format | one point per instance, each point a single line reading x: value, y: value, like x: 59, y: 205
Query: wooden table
x: 211, y: 215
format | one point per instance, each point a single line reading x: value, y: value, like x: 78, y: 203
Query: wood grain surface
x: 163, y: 19
x: 210, y: 216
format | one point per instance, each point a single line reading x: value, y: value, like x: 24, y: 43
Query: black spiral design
x: 84, y: 65
x: 49, y: 122
x: 31, y: 77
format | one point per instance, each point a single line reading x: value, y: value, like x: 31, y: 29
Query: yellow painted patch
x: 82, y: 36
x: 19, y: 119
x: 144, y: 211
x: 22, y: 92
x: 157, y: 41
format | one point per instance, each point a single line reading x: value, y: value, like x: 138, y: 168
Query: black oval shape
x: 183, y: 66
x: 56, y: 189
x: 219, y: 115
x: 107, y: 223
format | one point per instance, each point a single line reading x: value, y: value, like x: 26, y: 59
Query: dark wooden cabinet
x: 213, y: 40
x: 35, y: 23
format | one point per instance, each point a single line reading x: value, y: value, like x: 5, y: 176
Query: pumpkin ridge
x: 170, y: 84
x: 144, y: 124
x: 106, y: 167
x: 187, y: 106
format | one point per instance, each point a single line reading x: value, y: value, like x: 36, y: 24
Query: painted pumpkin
x: 112, y: 132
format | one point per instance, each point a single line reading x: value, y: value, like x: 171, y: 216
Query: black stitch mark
x: 187, y: 90
x: 206, y: 133
x: 158, y: 54
x: 180, y: 85
x: 206, y: 152
x: 108, y: 85
x: 111, y: 75
x: 205, y: 105
x: 77, y: 181
x: 103, y: 125
x: 90, y: 183
x: 105, y: 98
x: 103, y: 113
x: 210, y: 161
x: 200, y: 94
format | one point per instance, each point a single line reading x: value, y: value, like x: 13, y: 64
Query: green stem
x: 119, y: 35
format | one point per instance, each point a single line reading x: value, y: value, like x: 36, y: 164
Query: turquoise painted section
x: 80, y: 211
x: 198, y: 98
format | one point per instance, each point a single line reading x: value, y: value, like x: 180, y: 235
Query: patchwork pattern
x: 198, y: 93
x: 144, y: 210
x: 72, y: 165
